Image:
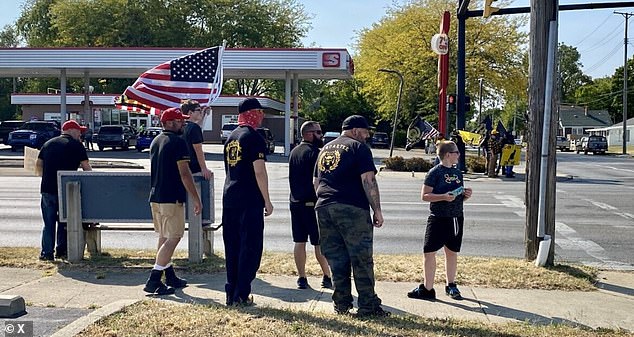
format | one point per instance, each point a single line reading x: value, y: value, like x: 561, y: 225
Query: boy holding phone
x: 445, y: 191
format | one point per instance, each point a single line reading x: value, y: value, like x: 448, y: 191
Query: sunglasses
x: 316, y: 132
x: 458, y: 152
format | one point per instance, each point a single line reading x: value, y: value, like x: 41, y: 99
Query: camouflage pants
x: 346, y: 242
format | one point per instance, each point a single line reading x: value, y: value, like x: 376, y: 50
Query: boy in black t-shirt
x: 444, y: 189
x: 193, y: 135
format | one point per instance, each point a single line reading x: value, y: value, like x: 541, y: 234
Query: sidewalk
x: 72, y: 299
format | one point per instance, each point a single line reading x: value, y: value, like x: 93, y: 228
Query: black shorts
x: 304, y: 223
x: 443, y: 231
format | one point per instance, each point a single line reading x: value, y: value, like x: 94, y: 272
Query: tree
x: 400, y: 41
x: 570, y: 75
x: 337, y: 101
x: 616, y: 111
x: 162, y: 23
x: 597, y: 95
x: 8, y: 38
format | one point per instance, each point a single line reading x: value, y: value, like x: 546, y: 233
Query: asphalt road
x: 594, y: 209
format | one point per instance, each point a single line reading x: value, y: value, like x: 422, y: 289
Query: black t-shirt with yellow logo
x: 445, y: 179
x: 339, y: 168
x: 242, y: 148
x: 166, y: 150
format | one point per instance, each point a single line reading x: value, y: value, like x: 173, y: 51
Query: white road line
x: 511, y: 201
x: 611, y: 208
x: 615, y: 168
x: 569, y: 239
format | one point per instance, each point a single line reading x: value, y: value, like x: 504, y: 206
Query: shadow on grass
x: 589, y: 275
x: 392, y: 325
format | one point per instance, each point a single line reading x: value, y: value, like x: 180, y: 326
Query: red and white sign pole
x: 440, y: 45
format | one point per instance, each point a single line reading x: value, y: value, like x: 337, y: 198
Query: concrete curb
x: 82, y: 323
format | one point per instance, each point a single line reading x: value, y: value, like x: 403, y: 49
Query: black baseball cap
x: 355, y: 121
x: 249, y: 104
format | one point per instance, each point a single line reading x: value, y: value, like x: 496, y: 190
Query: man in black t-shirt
x: 171, y: 180
x: 62, y: 153
x: 346, y: 184
x: 245, y: 194
x: 193, y: 135
x: 301, y: 165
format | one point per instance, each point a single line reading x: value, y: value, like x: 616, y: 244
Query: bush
x: 418, y: 164
x: 476, y: 164
x: 413, y: 164
x: 395, y: 163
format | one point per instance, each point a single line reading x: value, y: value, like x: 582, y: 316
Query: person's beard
x: 318, y: 142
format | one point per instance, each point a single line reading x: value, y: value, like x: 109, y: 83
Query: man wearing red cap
x: 62, y: 153
x: 171, y: 180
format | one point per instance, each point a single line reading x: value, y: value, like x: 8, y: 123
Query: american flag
x: 196, y: 76
x: 123, y: 103
x: 429, y: 131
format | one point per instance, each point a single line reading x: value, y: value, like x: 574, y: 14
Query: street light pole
x: 398, y: 104
x: 480, y: 108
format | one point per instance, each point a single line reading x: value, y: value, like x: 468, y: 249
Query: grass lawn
x: 166, y: 318
x: 154, y: 318
x: 472, y: 271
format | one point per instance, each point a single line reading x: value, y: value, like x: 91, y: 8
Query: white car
x: 330, y: 136
x: 226, y: 131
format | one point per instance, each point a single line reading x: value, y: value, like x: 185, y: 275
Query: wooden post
x: 74, y: 230
x: 195, y: 243
x: 542, y: 12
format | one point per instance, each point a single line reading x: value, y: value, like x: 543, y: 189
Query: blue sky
x: 597, y: 34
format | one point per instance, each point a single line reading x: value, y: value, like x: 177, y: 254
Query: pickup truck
x: 563, y: 144
x: 594, y: 144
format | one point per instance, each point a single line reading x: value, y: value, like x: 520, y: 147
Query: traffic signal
x: 451, y: 103
x: 467, y: 103
x: 488, y: 9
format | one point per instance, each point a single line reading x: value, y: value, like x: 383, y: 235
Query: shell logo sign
x: 331, y: 60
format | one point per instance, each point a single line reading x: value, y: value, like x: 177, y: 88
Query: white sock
x: 157, y: 267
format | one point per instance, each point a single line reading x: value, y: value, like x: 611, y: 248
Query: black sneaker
x: 302, y: 283
x: 343, y: 309
x: 422, y: 293
x: 248, y: 302
x: 326, y: 282
x: 452, y: 291
x: 46, y: 258
x: 376, y: 313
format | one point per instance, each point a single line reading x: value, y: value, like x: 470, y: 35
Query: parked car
x: 330, y: 136
x: 380, y: 140
x: 6, y: 127
x: 268, y: 138
x: 226, y: 131
x: 563, y: 144
x: 33, y: 134
x: 114, y: 136
x: 145, y: 138
x: 595, y: 144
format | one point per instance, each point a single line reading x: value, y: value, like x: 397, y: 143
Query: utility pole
x: 627, y: 17
x: 542, y: 13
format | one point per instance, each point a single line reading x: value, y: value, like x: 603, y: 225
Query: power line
x: 599, y: 26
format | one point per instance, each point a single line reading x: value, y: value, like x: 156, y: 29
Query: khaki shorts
x: 169, y: 219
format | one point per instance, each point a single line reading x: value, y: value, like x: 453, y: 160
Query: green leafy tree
x: 163, y: 23
x: 597, y: 95
x: 8, y: 38
x: 337, y: 101
x: 571, y: 77
x: 616, y: 107
x: 400, y: 41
